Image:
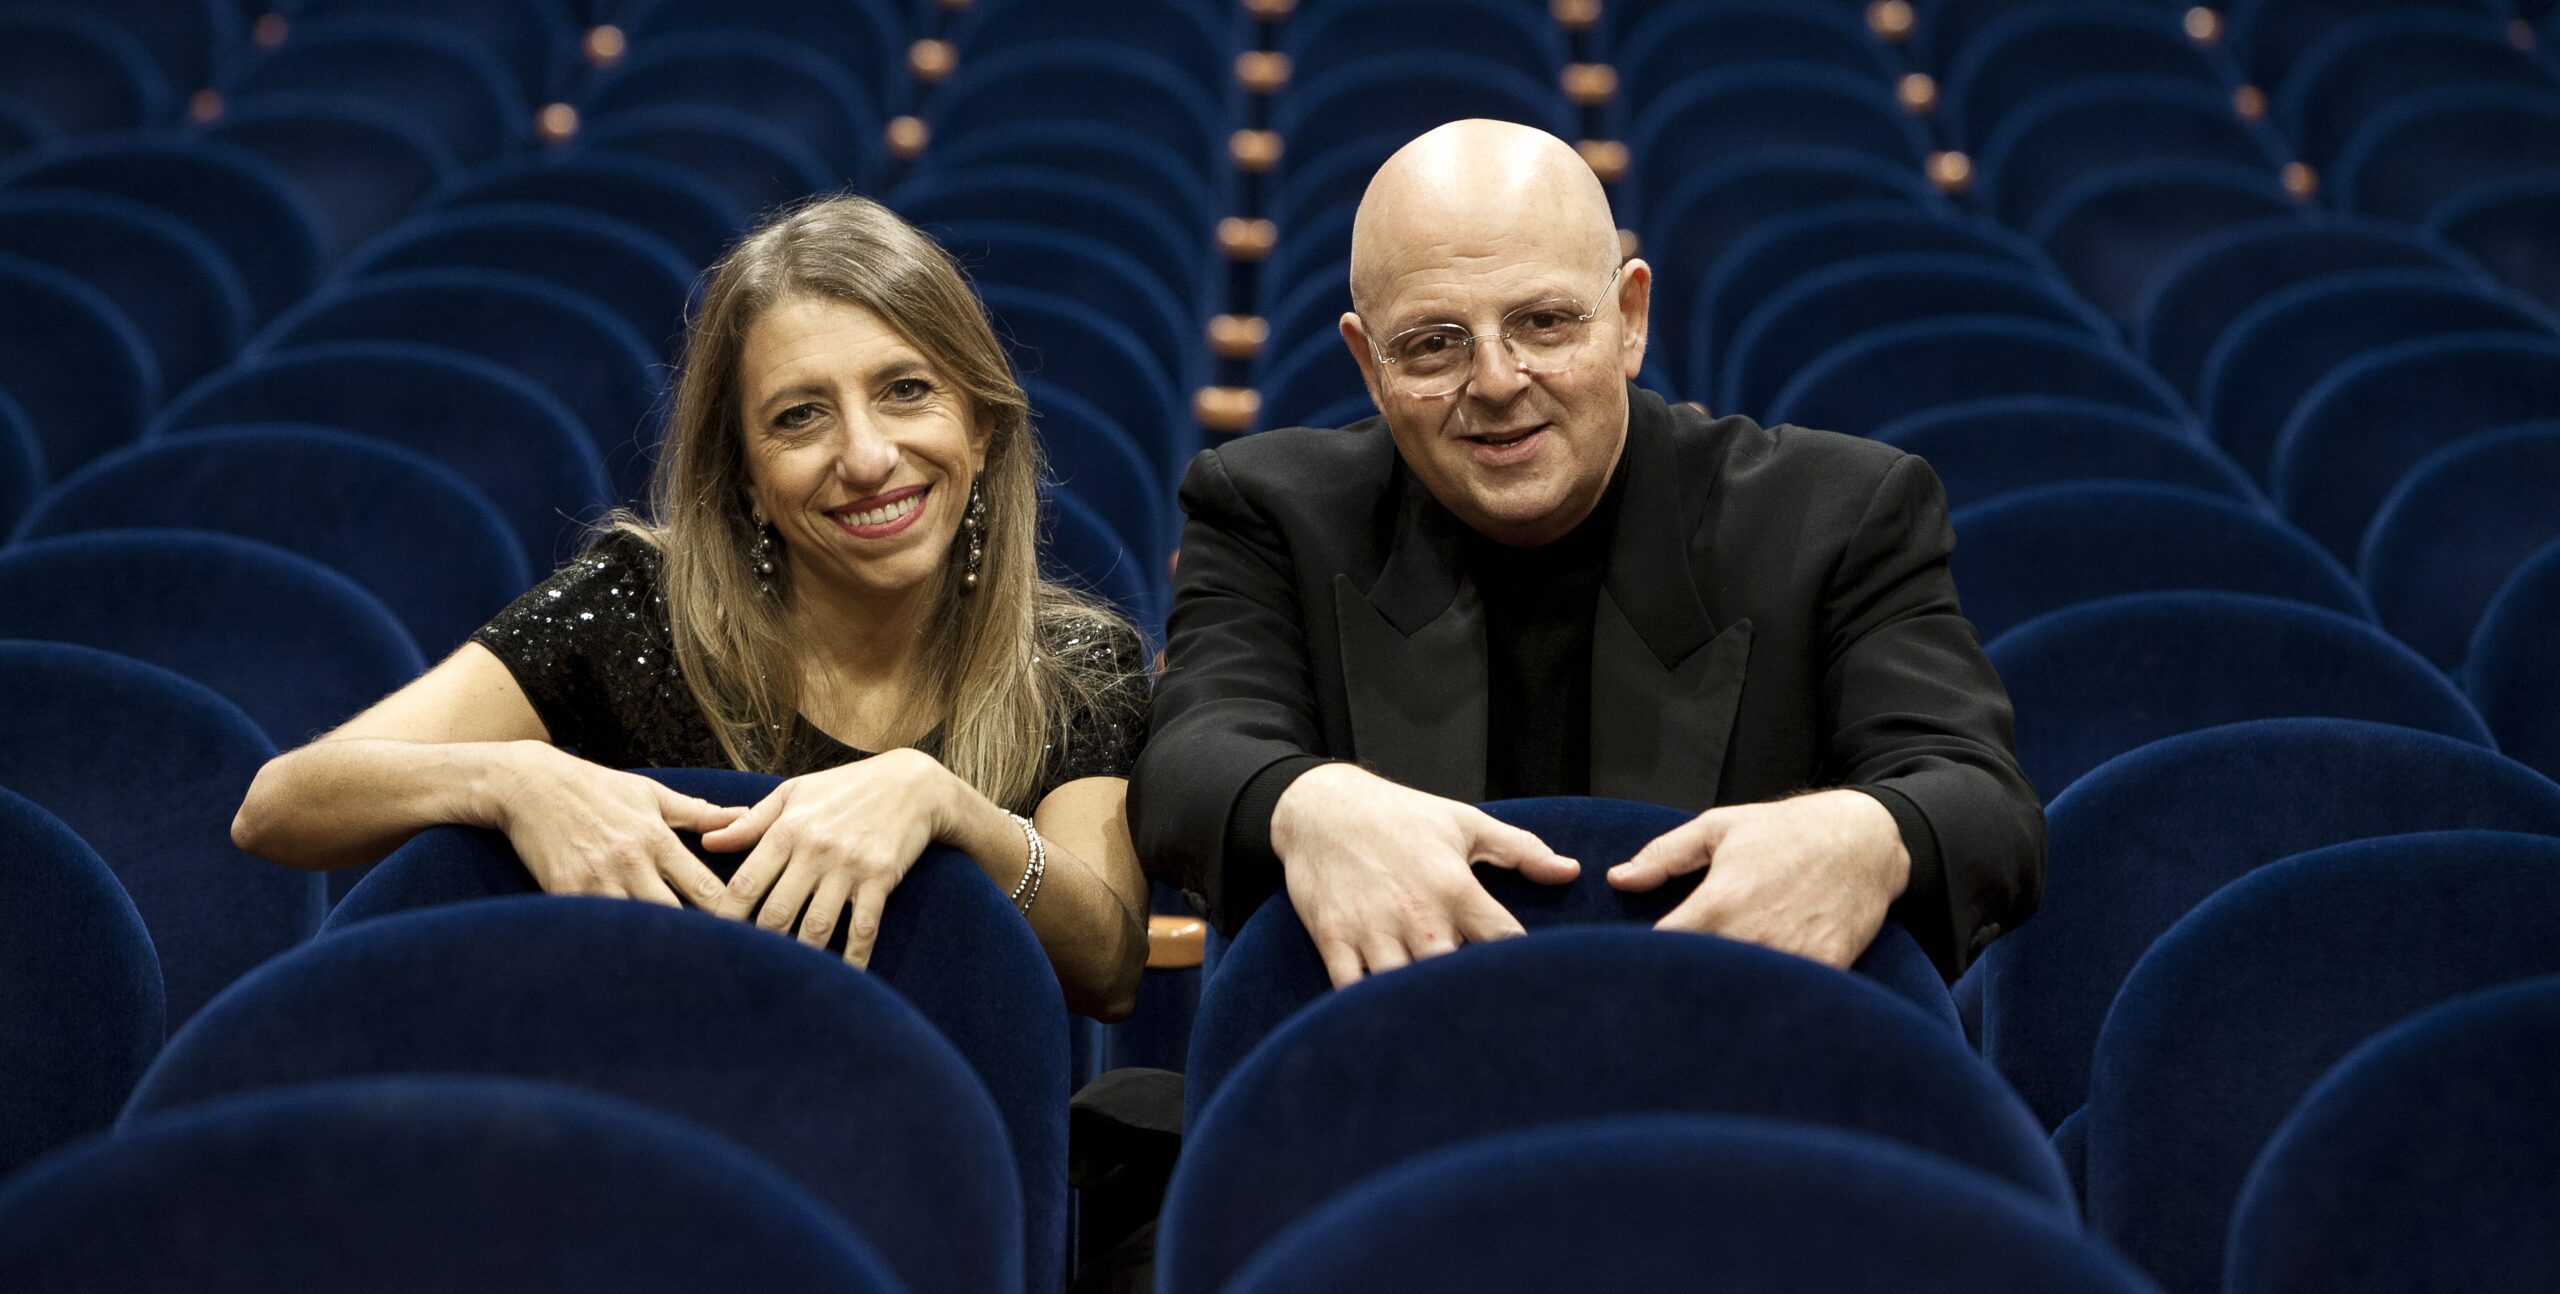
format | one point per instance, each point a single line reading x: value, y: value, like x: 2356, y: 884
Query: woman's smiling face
x: 859, y: 451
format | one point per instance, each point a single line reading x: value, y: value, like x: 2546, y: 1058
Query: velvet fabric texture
x: 2238, y: 1010
x: 421, y: 1182
x: 2359, y: 67
x: 21, y: 462
x: 83, y: 376
x: 1573, y: 1024
x: 1788, y: 248
x: 1080, y: 548
x: 1068, y: 342
x: 1171, y: 255
x: 1863, y: 384
x: 148, y: 768
x: 2020, y: 53
x: 2422, y: 1161
x: 442, y: 80
x: 861, y: 37
x: 364, y: 165
x: 1313, y: 375
x: 1716, y: 114
x: 950, y: 944
x: 252, y: 210
x: 760, y: 165
x: 1653, y: 45
x: 1983, y: 449
x: 1129, y: 91
x: 1201, y: 42
x: 2111, y: 229
x: 2357, y: 433
x: 2455, y: 529
x: 83, y: 1010
x: 2506, y: 226
x: 447, y: 567
x: 2515, y: 677
x: 1797, y: 323
x: 1402, y: 89
x: 603, y: 373
x: 2200, y: 289
x: 2038, y: 551
x: 170, y: 282
x: 1653, y: 1203
x: 695, y: 216
x: 781, y: 1048
x: 1272, y: 971
x: 2142, y: 839
x: 1109, y: 468
x: 1090, y: 269
x: 635, y: 273
x: 777, y: 79
x: 297, y: 646
x: 2057, y: 137
x: 507, y: 436
x: 2276, y: 351
x: 536, y: 43
x: 80, y: 76
x: 2093, y: 681
x: 2424, y: 148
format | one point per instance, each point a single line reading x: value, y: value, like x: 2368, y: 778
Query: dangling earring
x: 973, y: 527
x: 761, y: 554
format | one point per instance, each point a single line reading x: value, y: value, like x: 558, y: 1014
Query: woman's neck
x: 863, y: 664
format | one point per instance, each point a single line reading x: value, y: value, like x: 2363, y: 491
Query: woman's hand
x: 825, y: 842
x: 581, y: 828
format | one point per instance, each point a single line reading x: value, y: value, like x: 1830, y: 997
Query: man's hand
x: 1811, y: 875
x: 1379, y: 872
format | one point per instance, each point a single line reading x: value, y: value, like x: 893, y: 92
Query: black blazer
x: 1776, y: 616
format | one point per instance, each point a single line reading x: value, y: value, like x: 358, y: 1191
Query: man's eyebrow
x: 1535, y: 296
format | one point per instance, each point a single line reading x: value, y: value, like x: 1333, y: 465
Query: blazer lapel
x: 1413, y: 658
x: 1666, y: 681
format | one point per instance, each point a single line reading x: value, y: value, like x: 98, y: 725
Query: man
x: 1532, y: 578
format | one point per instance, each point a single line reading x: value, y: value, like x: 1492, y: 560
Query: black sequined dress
x: 592, y: 650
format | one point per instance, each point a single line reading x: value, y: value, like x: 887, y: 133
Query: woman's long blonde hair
x: 999, y: 697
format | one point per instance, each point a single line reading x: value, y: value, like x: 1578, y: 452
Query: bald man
x: 1528, y: 576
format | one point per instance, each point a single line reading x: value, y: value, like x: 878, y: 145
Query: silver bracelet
x: 1028, y: 891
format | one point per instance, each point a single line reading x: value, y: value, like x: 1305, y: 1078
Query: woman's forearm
x: 1096, y: 941
x: 352, y: 800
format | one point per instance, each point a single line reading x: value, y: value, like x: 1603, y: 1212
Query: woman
x: 842, y: 561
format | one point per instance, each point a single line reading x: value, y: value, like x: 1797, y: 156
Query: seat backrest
x: 1078, y: 265
x: 2359, y: 67
x: 2112, y: 230
x: 781, y: 1048
x: 1088, y: 81
x: 2058, y: 136
x: 363, y: 165
x: 780, y: 81
x: 2119, y: 871
x: 183, y: 758
x: 2033, y: 48
x: 1566, y: 1025
x: 865, y: 39
x: 428, y: 1180
x: 1725, y: 112
x: 80, y: 72
x: 624, y: 266
x: 1064, y: 340
x: 80, y: 372
x: 2453, y: 531
x: 2514, y: 677
x: 21, y: 462
x: 437, y: 77
x: 1408, y: 92
x: 695, y: 216
x: 87, y: 1010
x: 2201, y: 288
x: 2505, y: 225
x: 2240, y: 1008
x: 761, y: 165
x: 2427, y: 147
x: 1067, y: 202
x: 169, y: 281
x: 1202, y: 40
x: 2272, y: 34
x: 1982, y: 449
x: 2093, y: 681
x: 1686, y: 36
x: 1870, y: 380
x: 1790, y: 247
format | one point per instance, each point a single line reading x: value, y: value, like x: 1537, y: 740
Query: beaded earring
x: 973, y: 526
x: 762, y: 553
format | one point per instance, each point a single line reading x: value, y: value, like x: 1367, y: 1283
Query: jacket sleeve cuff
x: 1922, y: 909
x: 1252, y: 867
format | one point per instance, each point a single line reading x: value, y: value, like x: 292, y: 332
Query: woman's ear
x: 982, y: 435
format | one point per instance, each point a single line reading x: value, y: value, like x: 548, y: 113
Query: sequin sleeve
x: 1102, y: 736
x: 591, y: 650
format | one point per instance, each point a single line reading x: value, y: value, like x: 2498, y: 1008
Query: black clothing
x: 1538, y: 604
x: 1775, y: 615
x: 592, y: 649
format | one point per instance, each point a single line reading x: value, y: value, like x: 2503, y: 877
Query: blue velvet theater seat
x: 169, y: 281
x: 364, y: 166
x: 1143, y: 168
x: 759, y: 164
x: 865, y: 39
x: 620, y: 265
x: 605, y: 374
x: 1871, y: 380
x: 22, y: 471
x: 80, y: 372
x: 439, y: 79
x: 422, y: 1182
x: 997, y: 1003
x: 2457, y: 1101
x: 2512, y: 228
x: 2358, y: 68
x: 1272, y: 971
x: 78, y: 72
x: 2033, y: 48
x: 696, y: 217
x: 297, y: 646
x: 2515, y: 678
x: 2037, y: 551
x: 24, y: 131
x: 84, y: 1010
x: 1720, y: 113
x: 2093, y: 681
x: 2356, y: 435
x: 1826, y: 307
x: 2271, y: 35
x: 508, y: 437
x: 181, y: 758
x: 780, y: 81
x: 1310, y: 305
x: 1409, y: 91
x: 1174, y: 255
x: 1026, y: 252
x: 449, y: 564
x: 2276, y: 351
x: 1081, y: 548
x: 1096, y: 84
x: 2409, y: 158
x: 1513, y: 35
x: 1683, y: 37
x: 2112, y: 230
x: 2457, y: 526
x: 185, y: 39
x: 1106, y: 468
x: 2146, y: 836
x: 1069, y: 342
x: 536, y: 41
x: 2059, y: 136
x: 249, y: 207
x: 781, y: 1048
x: 1789, y: 248
x: 1321, y: 191
x: 2236, y: 1012
x: 1982, y: 449
x: 1647, y: 1204
x: 2202, y: 287
x: 1567, y: 1025
x: 1316, y: 374
x: 1202, y: 40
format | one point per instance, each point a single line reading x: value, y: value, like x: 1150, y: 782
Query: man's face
x: 1522, y: 449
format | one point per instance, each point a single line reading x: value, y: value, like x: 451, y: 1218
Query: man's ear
x: 1635, y: 304
x: 1355, y: 335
